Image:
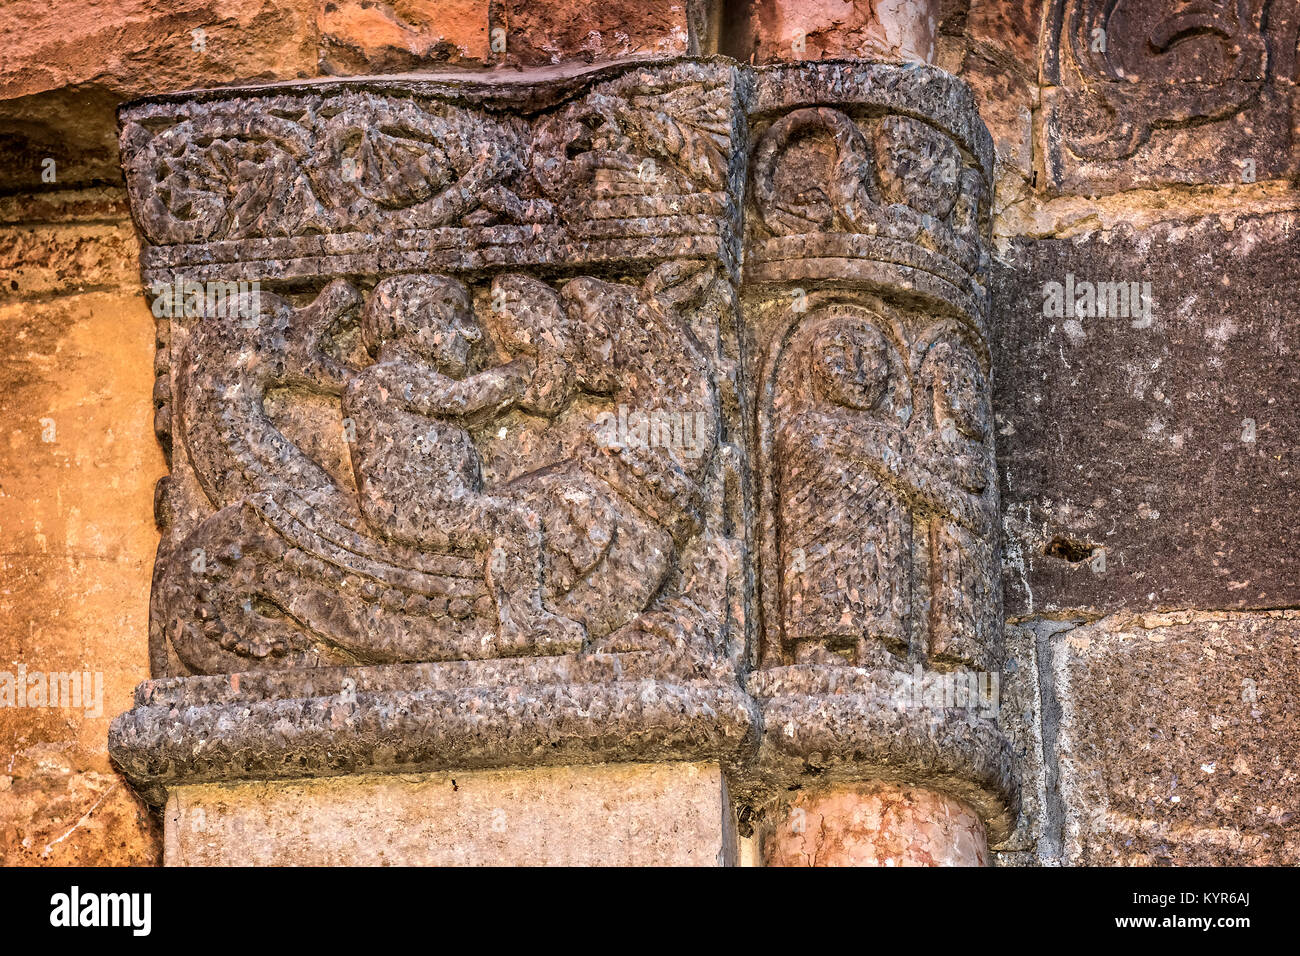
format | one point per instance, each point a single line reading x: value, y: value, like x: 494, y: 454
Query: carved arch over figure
x: 819, y: 205
x: 823, y: 172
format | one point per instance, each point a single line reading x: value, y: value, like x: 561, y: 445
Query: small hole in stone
x: 1071, y: 549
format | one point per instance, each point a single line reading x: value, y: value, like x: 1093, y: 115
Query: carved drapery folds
x: 635, y: 414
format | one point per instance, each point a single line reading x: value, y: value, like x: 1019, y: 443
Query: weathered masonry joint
x: 619, y: 435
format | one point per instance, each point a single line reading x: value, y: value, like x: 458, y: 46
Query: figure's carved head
x: 919, y: 167
x: 529, y: 319
x: 961, y: 400
x: 431, y: 317
x: 527, y: 316
x: 850, y: 364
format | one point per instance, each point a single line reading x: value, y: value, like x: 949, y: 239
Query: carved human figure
x: 417, y: 556
x: 883, y: 494
x: 844, y: 529
x: 624, y: 507
x: 959, y: 529
x: 418, y: 472
x: 820, y: 171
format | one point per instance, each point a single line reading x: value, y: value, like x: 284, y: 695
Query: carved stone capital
x: 634, y: 414
x: 865, y: 265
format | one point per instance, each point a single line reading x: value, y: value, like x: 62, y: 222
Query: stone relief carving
x: 1164, y: 91
x: 342, y: 178
x: 816, y: 171
x: 641, y: 414
x: 362, y: 164
x: 625, y: 150
x: 879, y: 484
x: 877, y: 500
x: 407, y: 552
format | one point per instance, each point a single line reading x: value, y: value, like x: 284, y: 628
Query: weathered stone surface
x: 853, y: 369
x: 64, y: 138
x: 77, y: 461
x: 1020, y: 718
x: 876, y: 825
x: 63, y: 73
x: 616, y: 167
x: 1014, y: 858
x: 575, y: 547
x: 1013, y: 27
x: 1000, y: 62
x: 543, y: 32
x: 133, y: 47
x: 523, y: 496
x: 412, y: 214
x: 67, y: 206
x: 1177, y: 739
x: 673, y: 814
x: 1149, y: 91
x: 432, y: 458
x: 921, y: 91
x: 363, y: 36
x: 468, y: 715
x: 1149, y: 462
x: 996, y: 53
x: 877, y: 500
x: 53, y: 813
x: 868, y: 404
x: 66, y: 258
x: 1006, y: 98
x: 65, y: 69
x: 834, y: 724
x: 772, y: 31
